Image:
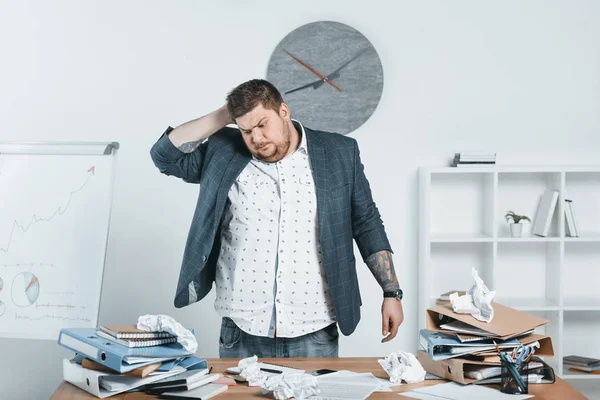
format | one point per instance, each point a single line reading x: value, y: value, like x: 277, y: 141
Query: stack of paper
x: 453, y: 391
x: 461, y: 348
x: 350, y: 385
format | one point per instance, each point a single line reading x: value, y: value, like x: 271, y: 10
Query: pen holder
x: 514, y: 378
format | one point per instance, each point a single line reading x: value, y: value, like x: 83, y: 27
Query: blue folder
x: 113, y: 355
x: 442, y: 346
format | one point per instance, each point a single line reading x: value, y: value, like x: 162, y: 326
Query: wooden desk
x: 560, y: 390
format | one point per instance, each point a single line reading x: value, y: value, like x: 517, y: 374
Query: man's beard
x: 281, y: 149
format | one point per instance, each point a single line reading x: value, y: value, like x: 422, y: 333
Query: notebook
x: 138, y: 342
x: 461, y: 327
x: 203, y: 392
x: 185, y: 378
x: 131, y: 332
x: 581, y: 361
x: 184, y: 387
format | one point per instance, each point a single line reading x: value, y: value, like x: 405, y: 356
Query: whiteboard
x: 55, y: 202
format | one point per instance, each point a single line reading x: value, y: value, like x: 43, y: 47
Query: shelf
x: 529, y: 304
x: 485, y: 238
x: 460, y: 204
x: 451, y: 265
x: 522, y: 193
x: 588, y: 237
x: 462, y: 225
x: 461, y: 238
x: 581, y: 304
x: 528, y: 239
x: 512, y: 169
x: 579, y: 270
x: 577, y: 375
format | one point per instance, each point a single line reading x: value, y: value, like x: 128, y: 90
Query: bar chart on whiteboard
x: 54, y: 220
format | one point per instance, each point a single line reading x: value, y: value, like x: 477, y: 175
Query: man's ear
x: 284, y: 111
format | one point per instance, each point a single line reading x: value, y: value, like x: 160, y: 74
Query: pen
x: 273, y: 371
x: 512, y: 368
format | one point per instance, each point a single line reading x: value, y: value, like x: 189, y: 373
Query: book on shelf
x: 473, y: 159
x: 571, y: 225
x: 131, y: 332
x: 138, y: 342
x: 543, y: 218
x: 581, y: 361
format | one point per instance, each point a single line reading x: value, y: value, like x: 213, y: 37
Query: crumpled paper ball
x: 298, y: 385
x: 477, y: 301
x: 156, y: 323
x: 403, y: 367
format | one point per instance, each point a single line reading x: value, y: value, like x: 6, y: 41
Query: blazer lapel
x: 318, y: 163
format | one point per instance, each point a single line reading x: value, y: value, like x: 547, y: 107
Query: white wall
x: 519, y: 78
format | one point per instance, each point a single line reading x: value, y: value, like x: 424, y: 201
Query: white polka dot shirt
x: 270, y: 277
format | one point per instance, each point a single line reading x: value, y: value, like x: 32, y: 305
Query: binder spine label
x: 80, y: 347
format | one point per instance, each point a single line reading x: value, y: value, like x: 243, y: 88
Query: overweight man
x: 278, y: 209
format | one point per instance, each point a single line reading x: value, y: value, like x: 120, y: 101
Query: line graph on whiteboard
x: 35, y: 219
x: 53, y: 235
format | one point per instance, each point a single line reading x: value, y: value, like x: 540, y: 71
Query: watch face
x: 329, y: 74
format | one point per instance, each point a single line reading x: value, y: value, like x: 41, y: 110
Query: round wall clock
x: 329, y: 74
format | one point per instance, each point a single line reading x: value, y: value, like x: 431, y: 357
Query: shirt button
x: 281, y: 251
x: 203, y: 258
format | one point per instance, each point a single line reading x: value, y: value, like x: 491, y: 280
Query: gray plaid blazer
x: 345, y: 211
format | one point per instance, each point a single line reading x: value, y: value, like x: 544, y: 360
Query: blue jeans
x: 235, y: 343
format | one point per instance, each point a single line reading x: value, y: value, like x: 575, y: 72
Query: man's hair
x: 248, y: 95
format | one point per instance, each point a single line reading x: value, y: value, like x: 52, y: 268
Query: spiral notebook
x: 131, y: 332
x: 137, y: 342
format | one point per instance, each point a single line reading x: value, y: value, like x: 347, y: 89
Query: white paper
x: 155, y: 323
x: 121, y: 382
x: 476, y: 302
x: 346, y: 385
x: 290, y: 383
x: 403, y: 367
x: 421, y: 396
x: 455, y: 391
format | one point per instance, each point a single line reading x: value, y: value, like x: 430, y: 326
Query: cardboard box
x: 507, y: 322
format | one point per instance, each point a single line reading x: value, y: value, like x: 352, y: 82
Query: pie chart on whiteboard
x: 25, y: 289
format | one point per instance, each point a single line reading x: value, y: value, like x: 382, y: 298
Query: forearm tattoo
x: 189, y: 146
x: 382, y: 267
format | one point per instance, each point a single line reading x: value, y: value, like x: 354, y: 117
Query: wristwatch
x: 397, y: 294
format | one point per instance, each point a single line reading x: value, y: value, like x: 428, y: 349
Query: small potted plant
x: 514, y: 220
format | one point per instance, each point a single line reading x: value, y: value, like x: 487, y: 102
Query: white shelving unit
x: 462, y: 225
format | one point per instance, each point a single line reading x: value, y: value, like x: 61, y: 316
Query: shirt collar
x: 303, y: 142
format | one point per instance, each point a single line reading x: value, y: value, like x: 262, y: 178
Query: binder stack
x: 463, y: 349
x: 109, y: 361
x: 472, y: 159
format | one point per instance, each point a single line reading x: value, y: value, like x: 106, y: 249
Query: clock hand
x: 334, y: 75
x: 313, y: 84
x: 314, y: 71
